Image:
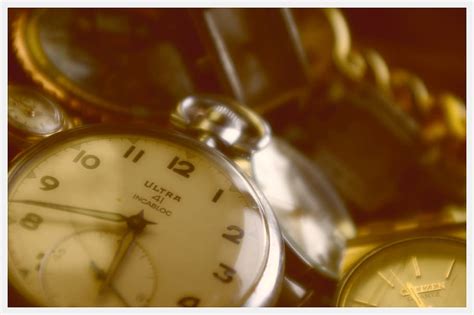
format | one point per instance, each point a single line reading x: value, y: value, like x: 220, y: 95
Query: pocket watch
x: 109, y: 215
x: 105, y: 64
x: 428, y: 271
x: 33, y: 116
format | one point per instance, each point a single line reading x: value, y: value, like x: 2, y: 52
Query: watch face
x: 32, y: 113
x: 418, y: 272
x: 107, y: 60
x: 133, y: 219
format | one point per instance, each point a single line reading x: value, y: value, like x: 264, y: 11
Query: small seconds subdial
x: 73, y: 271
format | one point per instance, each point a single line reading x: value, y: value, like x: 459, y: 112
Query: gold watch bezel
x: 27, y: 48
x: 341, y: 288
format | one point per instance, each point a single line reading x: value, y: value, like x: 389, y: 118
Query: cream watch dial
x: 418, y: 272
x: 203, y: 240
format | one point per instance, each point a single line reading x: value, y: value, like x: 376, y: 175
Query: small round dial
x: 82, y: 258
x: 417, y: 272
x: 32, y: 113
x: 163, y: 209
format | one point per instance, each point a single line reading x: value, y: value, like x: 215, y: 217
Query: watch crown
x: 221, y: 120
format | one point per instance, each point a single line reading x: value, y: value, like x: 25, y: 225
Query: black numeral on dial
x: 227, y: 273
x: 189, y: 301
x: 137, y: 156
x: 49, y: 183
x: 235, y: 236
x: 89, y: 161
x: 31, y: 221
x: 217, y: 196
x: 181, y: 167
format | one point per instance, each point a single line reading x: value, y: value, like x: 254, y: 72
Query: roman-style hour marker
x: 364, y: 303
x: 381, y: 275
x: 414, y: 261
x: 217, y: 195
x: 451, y: 265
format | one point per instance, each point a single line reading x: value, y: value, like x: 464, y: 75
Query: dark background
x: 430, y: 42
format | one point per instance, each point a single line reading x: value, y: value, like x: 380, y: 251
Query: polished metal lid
x: 312, y: 216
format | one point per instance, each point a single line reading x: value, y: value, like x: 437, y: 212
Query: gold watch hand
x: 411, y: 290
x: 136, y: 224
x: 122, y: 250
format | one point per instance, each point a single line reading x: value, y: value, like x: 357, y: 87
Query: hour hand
x: 99, y: 214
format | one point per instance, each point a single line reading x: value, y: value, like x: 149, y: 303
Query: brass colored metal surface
x: 425, y: 271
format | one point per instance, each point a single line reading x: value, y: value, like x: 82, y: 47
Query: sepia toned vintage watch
x: 106, y: 64
x: 92, y: 227
x: 415, y: 262
x: 427, y: 271
x: 135, y: 216
x: 33, y: 116
x: 159, y: 56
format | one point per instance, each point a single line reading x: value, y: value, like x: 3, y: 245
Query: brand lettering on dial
x: 163, y: 192
x: 429, y: 287
x: 152, y: 205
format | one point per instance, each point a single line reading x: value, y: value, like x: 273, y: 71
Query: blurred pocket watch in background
x: 33, y: 116
x: 107, y: 63
x: 132, y: 64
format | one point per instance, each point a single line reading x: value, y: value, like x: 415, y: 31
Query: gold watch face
x: 128, y: 218
x: 417, y: 272
x: 32, y: 113
x: 104, y: 62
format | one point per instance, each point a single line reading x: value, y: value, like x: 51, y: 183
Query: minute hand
x: 99, y: 214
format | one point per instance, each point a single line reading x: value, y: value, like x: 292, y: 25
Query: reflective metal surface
x: 312, y: 217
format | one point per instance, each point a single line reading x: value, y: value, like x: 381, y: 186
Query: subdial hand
x: 136, y: 224
x: 100, y: 275
x: 99, y: 214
